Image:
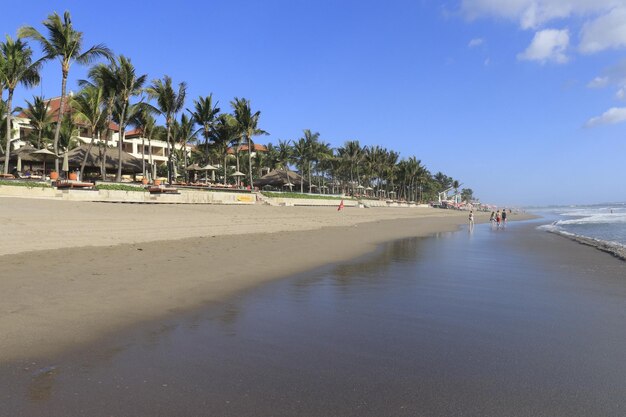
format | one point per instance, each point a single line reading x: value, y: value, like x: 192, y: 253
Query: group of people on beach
x: 498, y: 219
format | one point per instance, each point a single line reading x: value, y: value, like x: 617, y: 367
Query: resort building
x: 153, y: 151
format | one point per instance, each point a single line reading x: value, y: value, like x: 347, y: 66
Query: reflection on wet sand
x: 490, y: 324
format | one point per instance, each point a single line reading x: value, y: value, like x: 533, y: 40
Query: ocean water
x: 602, y: 225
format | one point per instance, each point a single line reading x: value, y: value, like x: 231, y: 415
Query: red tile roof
x: 53, y: 109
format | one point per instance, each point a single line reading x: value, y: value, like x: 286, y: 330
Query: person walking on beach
x: 498, y: 219
x: 503, y: 217
x: 471, y: 219
x: 492, y: 219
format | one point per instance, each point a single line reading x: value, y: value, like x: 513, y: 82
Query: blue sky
x: 521, y: 100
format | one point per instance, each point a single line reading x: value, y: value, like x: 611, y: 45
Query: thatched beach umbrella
x: 278, y: 178
x: 45, y: 155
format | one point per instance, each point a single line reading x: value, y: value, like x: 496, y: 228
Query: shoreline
x: 63, y: 298
x: 615, y: 249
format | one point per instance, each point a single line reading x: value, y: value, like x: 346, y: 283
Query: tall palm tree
x: 87, y: 107
x: 145, y: 123
x: 205, y: 115
x: 248, y: 127
x: 101, y: 76
x: 185, y: 135
x: 127, y: 84
x: 17, y: 68
x: 285, y: 156
x: 301, y: 154
x: 66, y: 44
x: 169, y: 103
x: 225, y: 132
x: 38, y: 112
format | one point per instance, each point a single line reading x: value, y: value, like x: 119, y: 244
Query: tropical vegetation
x: 116, y: 96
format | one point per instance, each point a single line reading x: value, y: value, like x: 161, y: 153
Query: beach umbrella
x: 45, y: 155
x: 237, y: 174
x: 193, y: 167
x: 210, y: 167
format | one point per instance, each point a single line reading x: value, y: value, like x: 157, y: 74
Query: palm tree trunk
x: 250, y: 162
x: 170, y: 163
x: 8, y: 151
x: 225, y: 162
x: 82, y: 165
x: 120, y: 144
x: 57, y: 131
x: 143, y: 155
x: 150, y: 156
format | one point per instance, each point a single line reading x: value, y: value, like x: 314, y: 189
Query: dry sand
x: 73, y: 272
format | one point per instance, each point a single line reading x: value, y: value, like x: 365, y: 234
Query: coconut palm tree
x: 169, y: 103
x: 301, y: 153
x: 185, y: 135
x: 38, y: 112
x: 225, y: 131
x: 123, y: 76
x: 205, y: 115
x: 87, y: 106
x: 285, y: 156
x: 101, y: 76
x: 145, y: 123
x: 248, y: 123
x: 311, y: 140
x: 17, y: 68
x: 65, y: 44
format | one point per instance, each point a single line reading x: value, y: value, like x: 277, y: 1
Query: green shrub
x: 307, y: 196
x: 119, y: 187
x: 28, y: 184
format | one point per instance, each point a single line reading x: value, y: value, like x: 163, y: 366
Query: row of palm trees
x: 115, y: 93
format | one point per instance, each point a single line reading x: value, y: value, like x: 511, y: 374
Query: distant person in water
x: 492, y: 219
x: 504, y: 217
x: 471, y: 219
x: 498, y: 219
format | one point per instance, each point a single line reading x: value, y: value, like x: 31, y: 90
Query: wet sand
x: 514, y: 322
x: 87, y: 285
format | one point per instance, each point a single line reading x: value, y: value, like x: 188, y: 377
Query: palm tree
x: 145, y: 123
x: 352, y: 154
x: 205, y: 115
x: 248, y: 123
x: 185, y: 135
x: 17, y: 68
x: 66, y: 44
x: 301, y: 155
x: 101, y: 76
x: 87, y: 106
x: 127, y: 84
x: 169, y: 103
x: 225, y: 132
x: 38, y: 114
x: 285, y: 156
x: 311, y: 140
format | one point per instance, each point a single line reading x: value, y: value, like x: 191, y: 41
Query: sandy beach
x: 74, y: 272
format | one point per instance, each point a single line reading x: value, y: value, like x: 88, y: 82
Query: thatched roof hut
x: 279, y: 178
x: 130, y: 164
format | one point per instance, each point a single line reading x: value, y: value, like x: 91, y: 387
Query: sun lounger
x: 66, y: 184
x: 7, y: 176
x: 155, y: 189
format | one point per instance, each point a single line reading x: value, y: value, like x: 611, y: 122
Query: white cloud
x: 621, y: 93
x: 611, y: 116
x: 475, y: 42
x: 547, y: 45
x: 605, y: 32
x: 532, y: 14
x: 598, y: 82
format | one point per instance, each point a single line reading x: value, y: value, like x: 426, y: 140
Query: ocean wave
x: 614, y: 248
x: 604, y: 218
